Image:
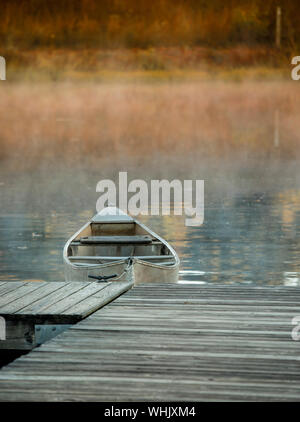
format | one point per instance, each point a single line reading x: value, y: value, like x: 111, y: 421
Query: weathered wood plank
x: 99, y: 299
x: 65, y: 304
x: 19, y: 303
x: 30, y: 304
x: 63, y: 292
x: 38, y: 301
x: 169, y: 342
x: 9, y: 287
x: 212, y: 301
x: 17, y: 293
x: 213, y: 308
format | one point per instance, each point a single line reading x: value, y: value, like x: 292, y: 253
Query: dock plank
x: 28, y: 299
x: 169, y: 342
x: 9, y: 287
x: 19, y: 291
x: 26, y: 305
x: 46, y: 300
x: 59, y: 294
x: 99, y: 299
x: 61, y: 306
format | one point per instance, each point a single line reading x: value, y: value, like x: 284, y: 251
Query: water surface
x: 250, y: 234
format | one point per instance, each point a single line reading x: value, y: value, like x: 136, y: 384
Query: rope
x: 106, y: 278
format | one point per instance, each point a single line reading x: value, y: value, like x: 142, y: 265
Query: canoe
x: 116, y: 247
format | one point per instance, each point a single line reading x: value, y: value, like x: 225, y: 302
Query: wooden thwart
x: 116, y: 239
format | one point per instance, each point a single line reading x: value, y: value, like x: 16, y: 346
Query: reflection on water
x: 249, y: 236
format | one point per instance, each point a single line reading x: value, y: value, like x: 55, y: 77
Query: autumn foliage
x: 144, y: 23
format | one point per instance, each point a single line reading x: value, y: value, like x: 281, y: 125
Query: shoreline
x: 164, y: 64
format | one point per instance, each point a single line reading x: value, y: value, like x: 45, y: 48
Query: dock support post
x: 19, y: 335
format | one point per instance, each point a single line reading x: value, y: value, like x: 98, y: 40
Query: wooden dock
x: 37, y: 311
x: 170, y: 342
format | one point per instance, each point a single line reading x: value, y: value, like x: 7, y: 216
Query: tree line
x: 144, y: 23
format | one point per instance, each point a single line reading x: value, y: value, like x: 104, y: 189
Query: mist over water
x: 251, y: 224
x: 58, y: 140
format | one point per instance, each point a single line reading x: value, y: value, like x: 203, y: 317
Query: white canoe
x: 114, y: 244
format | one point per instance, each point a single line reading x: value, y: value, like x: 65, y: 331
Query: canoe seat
x: 116, y: 239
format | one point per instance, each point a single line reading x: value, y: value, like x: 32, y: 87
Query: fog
x: 85, y: 123
x: 58, y: 140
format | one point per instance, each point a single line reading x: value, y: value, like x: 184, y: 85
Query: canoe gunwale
x: 135, y: 259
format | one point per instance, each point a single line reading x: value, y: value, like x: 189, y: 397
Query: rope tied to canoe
x: 105, y: 278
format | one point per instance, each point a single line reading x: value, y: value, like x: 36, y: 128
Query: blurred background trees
x: 143, y: 23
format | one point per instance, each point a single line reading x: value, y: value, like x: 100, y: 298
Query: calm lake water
x: 250, y: 235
